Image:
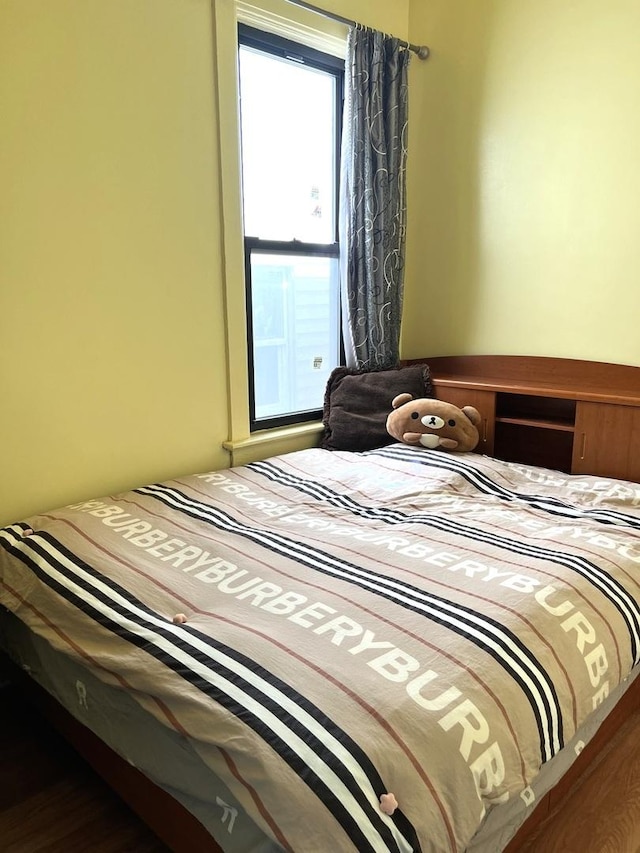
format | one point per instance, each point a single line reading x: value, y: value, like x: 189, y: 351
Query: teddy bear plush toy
x: 433, y: 423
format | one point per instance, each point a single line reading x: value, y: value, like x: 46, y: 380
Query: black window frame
x: 312, y: 58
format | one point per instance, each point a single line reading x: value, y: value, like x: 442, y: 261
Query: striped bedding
x: 404, y: 622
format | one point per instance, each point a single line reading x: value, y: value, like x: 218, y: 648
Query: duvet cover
x: 372, y: 650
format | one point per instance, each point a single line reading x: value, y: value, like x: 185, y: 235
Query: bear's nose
x: 432, y: 421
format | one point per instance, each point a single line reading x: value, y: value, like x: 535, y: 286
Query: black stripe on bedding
x: 119, y: 611
x: 598, y: 577
x: 484, y: 483
x: 486, y: 633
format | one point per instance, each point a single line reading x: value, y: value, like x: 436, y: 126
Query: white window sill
x: 272, y: 442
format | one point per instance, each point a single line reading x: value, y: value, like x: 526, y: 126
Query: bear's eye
x: 415, y: 415
x: 451, y: 422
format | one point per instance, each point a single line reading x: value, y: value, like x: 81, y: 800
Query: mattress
x: 334, y: 633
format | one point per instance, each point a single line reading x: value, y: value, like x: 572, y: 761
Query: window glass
x: 290, y: 111
x: 288, y: 140
x: 295, y: 339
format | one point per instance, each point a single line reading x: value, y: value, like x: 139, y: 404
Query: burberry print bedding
x: 372, y: 650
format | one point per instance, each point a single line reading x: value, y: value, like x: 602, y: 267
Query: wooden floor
x: 602, y: 814
x: 51, y: 801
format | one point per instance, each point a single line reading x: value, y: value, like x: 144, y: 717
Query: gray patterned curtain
x: 372, y: 197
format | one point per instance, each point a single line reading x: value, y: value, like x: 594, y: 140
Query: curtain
x: 373, y: 197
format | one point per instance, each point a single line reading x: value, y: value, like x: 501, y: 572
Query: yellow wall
x: 525, y: 179
x: 113, y: 358
x: 115, y: 239
x: 390, y: 16
x: 111, y: 335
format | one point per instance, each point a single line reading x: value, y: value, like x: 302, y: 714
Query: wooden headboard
x: 568, y: 414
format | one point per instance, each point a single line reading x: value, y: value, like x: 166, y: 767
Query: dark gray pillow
x: 357, y: 403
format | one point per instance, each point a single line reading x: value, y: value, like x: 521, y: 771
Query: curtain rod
x: 421, y: 50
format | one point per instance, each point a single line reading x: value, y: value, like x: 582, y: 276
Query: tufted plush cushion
x: 356, y: 404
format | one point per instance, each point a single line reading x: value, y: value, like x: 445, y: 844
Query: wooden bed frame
x: 580, y: 382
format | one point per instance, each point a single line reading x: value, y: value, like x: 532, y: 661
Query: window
x: 290, y: 114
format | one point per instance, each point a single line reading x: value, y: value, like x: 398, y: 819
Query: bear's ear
x: 400, y: 400
x: 473, y: 414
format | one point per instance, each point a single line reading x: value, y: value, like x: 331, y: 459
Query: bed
x: 397, y: 649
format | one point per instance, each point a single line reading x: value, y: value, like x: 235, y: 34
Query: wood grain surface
x: 50, y: 799
x: 602, y: 813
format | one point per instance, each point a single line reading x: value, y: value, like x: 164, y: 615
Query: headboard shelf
x: 526, y: 402
x: 549, y: 377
